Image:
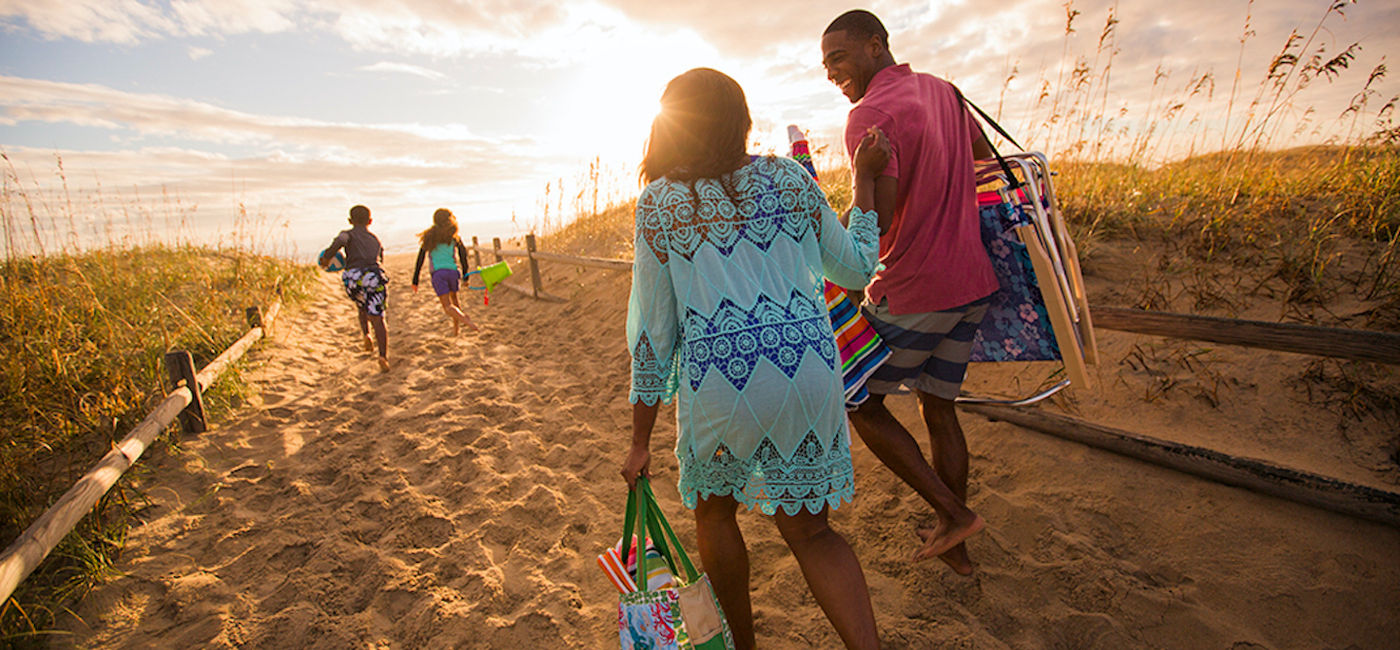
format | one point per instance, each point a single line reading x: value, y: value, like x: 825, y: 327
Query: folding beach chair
x: 1041, y: 311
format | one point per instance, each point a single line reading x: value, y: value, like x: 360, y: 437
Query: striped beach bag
x: 860, y: 347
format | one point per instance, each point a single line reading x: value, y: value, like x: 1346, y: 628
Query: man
x: 929, y: 300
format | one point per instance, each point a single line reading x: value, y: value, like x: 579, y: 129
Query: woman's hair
x: 701, y: 129
x: 444, y: 229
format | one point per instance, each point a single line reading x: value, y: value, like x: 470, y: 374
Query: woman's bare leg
x: 833, y: 574
x: 726, y: 561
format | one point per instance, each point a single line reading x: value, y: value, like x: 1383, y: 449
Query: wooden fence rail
x: 532, y: 255
x: 1258, y: 475
x: 39, y: 539
x: 1359, y: 345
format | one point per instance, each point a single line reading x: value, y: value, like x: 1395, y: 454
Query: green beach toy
x: 490, y: 277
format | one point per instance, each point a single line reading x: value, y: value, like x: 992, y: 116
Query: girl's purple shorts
x: 445, y: 281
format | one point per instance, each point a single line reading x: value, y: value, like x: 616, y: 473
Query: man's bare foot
x: 944, y: 539
x: 956, y: 559
x: 367, y: 343
x: 383, y: 364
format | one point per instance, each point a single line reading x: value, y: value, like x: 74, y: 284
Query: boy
x: 365, y: 281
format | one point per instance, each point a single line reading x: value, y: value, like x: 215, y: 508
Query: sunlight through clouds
x: 305, y: 106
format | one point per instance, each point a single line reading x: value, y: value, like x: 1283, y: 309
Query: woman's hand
x: 638, y: 463
x: 872, y: 154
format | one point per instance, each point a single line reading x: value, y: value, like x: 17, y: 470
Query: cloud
x: 403, y: 68
x: 31, y: 100
x: 197, y: 53
x: 218, y: 17
x: 739, y: 27
x: 116, y: 21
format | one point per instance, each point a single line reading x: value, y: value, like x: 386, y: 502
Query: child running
x: 365, y: 281
x: 438, y: 243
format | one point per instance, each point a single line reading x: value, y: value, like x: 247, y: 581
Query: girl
x: 727, y: 311
x: 439, y: 242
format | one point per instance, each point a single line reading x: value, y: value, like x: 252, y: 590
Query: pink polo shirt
x: 933, y: 253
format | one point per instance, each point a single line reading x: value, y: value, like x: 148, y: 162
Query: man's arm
x: 886, y: 189
x: 887, y: 184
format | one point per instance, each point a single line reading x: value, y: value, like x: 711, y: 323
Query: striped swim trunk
x: 928, y: 351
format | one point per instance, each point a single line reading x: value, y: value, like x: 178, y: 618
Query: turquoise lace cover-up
x: 727, y: 310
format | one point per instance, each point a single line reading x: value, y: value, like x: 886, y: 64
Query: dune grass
x: 82, y: 338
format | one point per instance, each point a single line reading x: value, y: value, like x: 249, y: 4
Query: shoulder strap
x: 991, y: 122
x: 1011, y: 179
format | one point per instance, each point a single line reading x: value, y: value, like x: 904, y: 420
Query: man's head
x: 854, y: 47
x: 359, y: 216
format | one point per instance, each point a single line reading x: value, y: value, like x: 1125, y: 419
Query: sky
x: 260, y: 122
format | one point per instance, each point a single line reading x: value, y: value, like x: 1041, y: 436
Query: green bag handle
x: 628, y: 519
x: 661, y: 532
x: 641, y: 510
x: 644, y: 519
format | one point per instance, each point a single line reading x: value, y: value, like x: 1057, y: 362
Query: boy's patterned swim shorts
x: 367, y: 287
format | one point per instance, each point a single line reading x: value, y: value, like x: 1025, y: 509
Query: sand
x: 459, y: 501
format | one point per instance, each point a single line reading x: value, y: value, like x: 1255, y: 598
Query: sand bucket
x: 490, y: 276
x: 493, y: 274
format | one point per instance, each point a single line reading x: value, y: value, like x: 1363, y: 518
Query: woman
x: 727, y: 310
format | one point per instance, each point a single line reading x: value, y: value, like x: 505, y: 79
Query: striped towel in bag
x: 861, y: 349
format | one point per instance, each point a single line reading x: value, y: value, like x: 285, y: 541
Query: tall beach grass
x: 82, y: 337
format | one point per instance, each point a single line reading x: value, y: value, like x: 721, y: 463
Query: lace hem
x: 816, y: 476
x: 650, y: 399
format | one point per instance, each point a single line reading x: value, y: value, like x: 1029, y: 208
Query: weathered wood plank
x: 1359, y: 345
x: 594, y: 262
x: 39, y: 539
x: 1258, y: 475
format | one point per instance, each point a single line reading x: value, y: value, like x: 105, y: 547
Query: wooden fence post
x: 536, y: 286
x: 254, y: 315
x: 496, y: 244
x: 179, y: 367
x: 476, y: 253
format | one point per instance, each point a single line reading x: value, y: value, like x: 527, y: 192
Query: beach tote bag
x: 862, y: 350
x: 684, y: 616
x: 1017, y: 324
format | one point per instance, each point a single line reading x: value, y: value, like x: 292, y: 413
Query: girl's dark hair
x: 701, y: 129
x: 444, y: 229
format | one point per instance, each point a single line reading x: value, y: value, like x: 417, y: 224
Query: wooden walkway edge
x: 1358, y: 345
x: 39, y: 539
x: 1258, y: 475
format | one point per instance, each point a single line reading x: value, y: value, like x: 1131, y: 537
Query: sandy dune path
x: 458, y: 501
